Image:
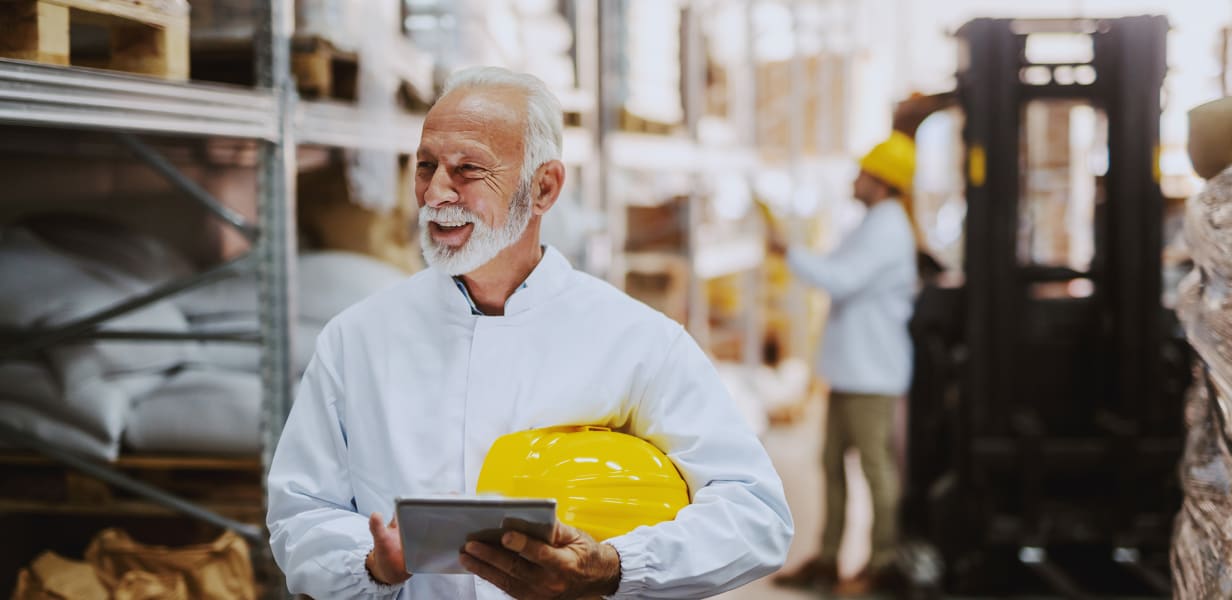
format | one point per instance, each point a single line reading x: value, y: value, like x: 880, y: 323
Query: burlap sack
x: 1202, y: 537
x: 220, y: 570
x: 140, y: 585
x: 53, y: 577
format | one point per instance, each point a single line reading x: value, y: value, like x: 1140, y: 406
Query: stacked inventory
x: 188, y: 187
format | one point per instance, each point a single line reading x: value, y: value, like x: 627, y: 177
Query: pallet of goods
x: 1202, y: 542
x: 141, y: 36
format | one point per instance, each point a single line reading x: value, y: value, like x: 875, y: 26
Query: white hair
x: 545, y: 124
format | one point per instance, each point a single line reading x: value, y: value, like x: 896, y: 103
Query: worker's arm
x: 859, y: 260
x: 738, y: 526
x: 318, y: 538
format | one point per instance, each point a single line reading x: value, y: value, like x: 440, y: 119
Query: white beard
x: 484, y: 242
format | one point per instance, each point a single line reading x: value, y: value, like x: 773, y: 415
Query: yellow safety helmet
x: 892, y: 161
x: 604, y: 483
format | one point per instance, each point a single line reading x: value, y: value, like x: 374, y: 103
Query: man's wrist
x: 610, y: 584
x: 370, y: 565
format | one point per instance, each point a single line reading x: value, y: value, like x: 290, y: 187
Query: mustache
x: 447, y: 213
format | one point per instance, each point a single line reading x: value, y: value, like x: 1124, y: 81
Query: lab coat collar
x: 548, y: 279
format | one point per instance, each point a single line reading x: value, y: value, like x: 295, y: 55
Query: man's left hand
x: 571, y: 565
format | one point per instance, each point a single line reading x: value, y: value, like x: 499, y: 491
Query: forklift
x: 1045, y: 415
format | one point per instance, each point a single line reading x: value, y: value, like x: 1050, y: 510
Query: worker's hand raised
x: 571, y: 565
x: 909, y: 113
x: 385, y: 562
x: 776, y: 243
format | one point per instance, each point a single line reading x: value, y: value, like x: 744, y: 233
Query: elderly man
x: 409, y: 388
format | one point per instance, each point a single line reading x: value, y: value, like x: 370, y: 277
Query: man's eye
x: 423, y: 164
x: 468, y: 168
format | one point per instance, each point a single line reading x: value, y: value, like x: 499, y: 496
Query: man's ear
x: 549, y: 178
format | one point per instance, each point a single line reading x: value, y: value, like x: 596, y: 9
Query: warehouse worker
x: 409, y: 389
x: 866, y: 357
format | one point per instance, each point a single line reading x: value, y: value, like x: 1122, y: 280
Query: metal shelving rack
x: 64, y: 97
x: 704, y: 258
x: 272, y: 115
x: 829, y: 140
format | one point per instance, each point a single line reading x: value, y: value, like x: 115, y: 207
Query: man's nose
x: 440, y: 189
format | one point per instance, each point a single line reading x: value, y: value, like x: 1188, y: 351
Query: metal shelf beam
x: 339, y: 125
x: 113, y: 476
x: 80, y: 98
x: 47, y: 95
x: 344, y: 126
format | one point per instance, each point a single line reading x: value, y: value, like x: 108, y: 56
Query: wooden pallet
x: 636, y: 124
x: 141, y: 39
x: 46, y: 506
x: 320, y: 69
x: 661, y: 280
x: 323, y: 71
x: 33, y: 484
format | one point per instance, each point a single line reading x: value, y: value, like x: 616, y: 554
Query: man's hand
x: 572, y: 565
x: 385, y: 563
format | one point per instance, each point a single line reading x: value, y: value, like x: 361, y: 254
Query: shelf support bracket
x: 113, y: 476
x: 171, y: 173
x: 86, y: 325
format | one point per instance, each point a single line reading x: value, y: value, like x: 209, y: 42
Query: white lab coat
x: 408, y: 390
x: 871, y: 279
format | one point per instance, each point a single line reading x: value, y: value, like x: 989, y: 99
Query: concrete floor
x: 796, y: 452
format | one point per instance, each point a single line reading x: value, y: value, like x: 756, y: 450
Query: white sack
x: 199, y: 410
x: 30, y: 400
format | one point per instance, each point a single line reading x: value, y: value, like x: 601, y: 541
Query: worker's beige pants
x: 863, y: 422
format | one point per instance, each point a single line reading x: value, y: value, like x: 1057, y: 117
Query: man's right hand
x: 385, y: 563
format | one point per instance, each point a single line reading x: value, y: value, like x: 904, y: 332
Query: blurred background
x: 192, y: 188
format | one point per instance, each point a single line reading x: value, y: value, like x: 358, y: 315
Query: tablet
x: 434, y: 529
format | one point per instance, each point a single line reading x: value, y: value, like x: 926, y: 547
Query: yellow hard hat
x: 605, y: 483
x: 892, y: 161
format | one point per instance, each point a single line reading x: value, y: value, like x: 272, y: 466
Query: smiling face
x: 473, y: 200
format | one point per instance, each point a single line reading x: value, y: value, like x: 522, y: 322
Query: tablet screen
x: 434, y: 529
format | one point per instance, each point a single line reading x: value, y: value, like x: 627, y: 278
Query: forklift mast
x: 1045, y: 422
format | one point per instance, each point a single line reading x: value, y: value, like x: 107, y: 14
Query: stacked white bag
x: 214, y: 405
x: 156, y: 396
x: 78, y: 394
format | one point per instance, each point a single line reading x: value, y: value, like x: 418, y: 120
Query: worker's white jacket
x: 408, y: 389
x: 871, y: 279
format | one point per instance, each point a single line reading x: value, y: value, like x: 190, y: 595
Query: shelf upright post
x: 587, y: 58
x: 693, y: 74
x: 745, y: 110
x: 797, y: 298
x: 609, y: 98
x: 275, y: 247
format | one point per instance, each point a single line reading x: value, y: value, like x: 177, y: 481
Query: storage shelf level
x: 46, y: 95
